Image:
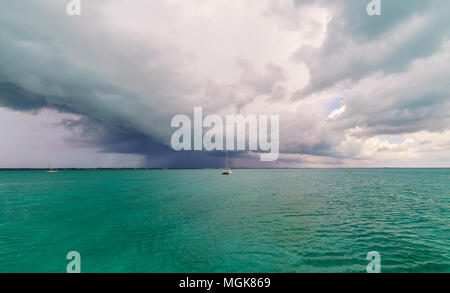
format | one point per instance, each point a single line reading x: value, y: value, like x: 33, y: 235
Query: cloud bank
x: 351, y: 90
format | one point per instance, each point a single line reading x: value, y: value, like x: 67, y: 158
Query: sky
x: 100, y: 89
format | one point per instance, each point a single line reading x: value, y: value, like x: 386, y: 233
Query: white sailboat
x: 227, y: 170
x: 50, y: 170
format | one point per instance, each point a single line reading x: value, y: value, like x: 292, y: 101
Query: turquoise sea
x: 302, y: 220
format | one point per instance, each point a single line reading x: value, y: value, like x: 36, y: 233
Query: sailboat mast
x: 226, y: 162
x: 227, y: 170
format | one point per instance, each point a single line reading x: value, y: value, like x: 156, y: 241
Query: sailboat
x: 227, y: 170
x: 50, y: 170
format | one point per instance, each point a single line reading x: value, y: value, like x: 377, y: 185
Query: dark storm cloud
x: 126, y: 85
x: 14, y: 97
x: 119, y: 139
x: 102, y: 129
x: 36, y: 72
x: 358, y: 44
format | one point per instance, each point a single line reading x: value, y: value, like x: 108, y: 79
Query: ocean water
x: 303, y: 220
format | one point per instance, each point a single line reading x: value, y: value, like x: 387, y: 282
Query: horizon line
x: 193, y: 168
